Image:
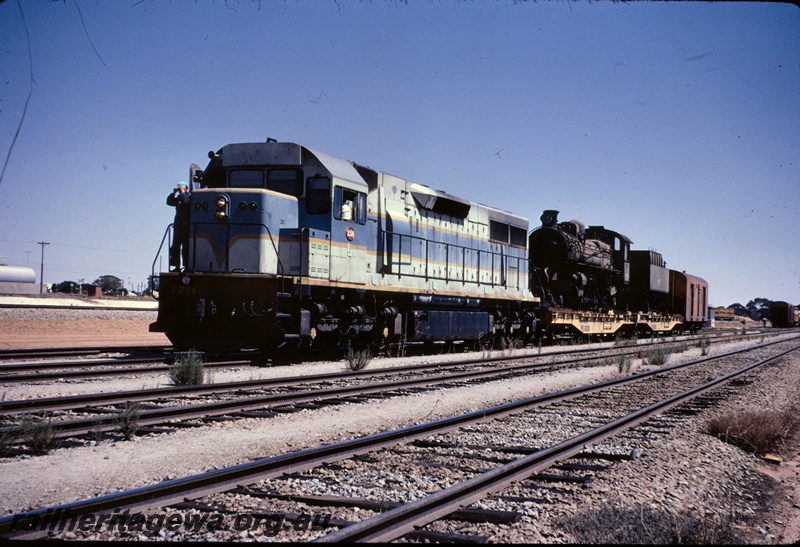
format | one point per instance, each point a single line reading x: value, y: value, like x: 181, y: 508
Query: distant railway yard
x: 603, y: 442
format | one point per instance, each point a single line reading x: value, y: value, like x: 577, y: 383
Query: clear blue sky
x: 675, y: 123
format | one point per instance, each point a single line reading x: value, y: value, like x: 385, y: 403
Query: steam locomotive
x: 292, y: 248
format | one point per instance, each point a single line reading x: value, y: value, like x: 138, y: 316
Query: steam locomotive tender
x: 290, y: 246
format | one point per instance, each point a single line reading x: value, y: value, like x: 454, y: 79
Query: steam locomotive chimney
x: 549, y: 218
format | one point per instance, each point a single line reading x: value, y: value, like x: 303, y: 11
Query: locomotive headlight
x: 222, y: 207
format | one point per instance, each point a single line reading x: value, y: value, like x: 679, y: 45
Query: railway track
x: 85, y: 351
x: 18, y: 366
x: 483, y: 453
x: 95, y: 368
x: 190, y: 405
x: 170, y: 407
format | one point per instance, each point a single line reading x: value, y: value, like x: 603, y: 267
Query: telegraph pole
x: 41, y: 271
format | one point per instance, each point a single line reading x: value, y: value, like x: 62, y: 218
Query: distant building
x: 724, y: 314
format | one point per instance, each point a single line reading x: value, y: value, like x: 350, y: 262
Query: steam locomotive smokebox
x: 451, y: 325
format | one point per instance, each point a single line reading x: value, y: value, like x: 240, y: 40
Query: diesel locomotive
x: 292, y: 248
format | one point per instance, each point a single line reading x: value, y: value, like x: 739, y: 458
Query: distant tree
x: 758, y: 308
x: 68, y: 287
x: 152, y: 286
x: 738, y: 309
x: 111, y: 284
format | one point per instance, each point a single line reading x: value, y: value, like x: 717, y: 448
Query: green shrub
x: 37, y: 433
x: 7, y: 438
x: 657, y: 357
x: 187, y: 370
x: 127, y: 419
x: 624, y: 364
x: 704, y: 345
x: 357, y: 359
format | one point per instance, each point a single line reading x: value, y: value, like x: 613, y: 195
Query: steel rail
x: 150, y: 417
x: 76, y: 401
x: 28, y: 353
x: 221, y: 480
x: 75, y: 363
x: 397, y: 522
x: 75, y: 374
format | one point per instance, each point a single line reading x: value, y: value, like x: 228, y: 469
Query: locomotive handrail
x: 428, y: 273
x: 153, y: 265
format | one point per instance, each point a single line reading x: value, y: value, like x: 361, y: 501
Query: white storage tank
x: 17, y: 274
x: 18, y: 280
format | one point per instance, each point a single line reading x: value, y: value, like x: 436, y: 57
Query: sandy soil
x: 19, y: 334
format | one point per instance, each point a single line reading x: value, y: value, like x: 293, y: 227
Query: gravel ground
x: 687, y: 471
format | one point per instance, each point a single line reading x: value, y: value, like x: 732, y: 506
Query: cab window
x: 318, y: 195
x: 286, y: 181
x: 349, y: 205
x: 246, y: 178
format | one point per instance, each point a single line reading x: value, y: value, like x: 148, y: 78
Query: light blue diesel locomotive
x: 293, y: 248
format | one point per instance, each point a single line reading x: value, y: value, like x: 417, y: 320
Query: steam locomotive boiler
x: 584, y: 268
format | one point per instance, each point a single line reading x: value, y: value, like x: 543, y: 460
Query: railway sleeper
x: 494, y: 448
x: 550, y: 477
x: 142, y: 431
x: 442, y: 537
x: 452, y: 467
x: 257, y: 414
x: 289, y: 517
x: 186, y: 425
x: 463, y: 515
x: 474, y: 456
x: 603, y: 456
x: 580, y: 467
x: 286, y: 409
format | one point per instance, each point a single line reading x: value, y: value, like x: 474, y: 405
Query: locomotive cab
x: 261, y: 219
